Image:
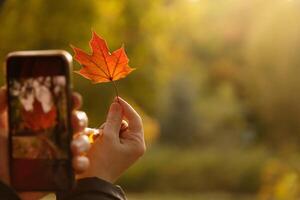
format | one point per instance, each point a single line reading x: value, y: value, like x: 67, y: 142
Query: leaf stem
x: 116, y: 89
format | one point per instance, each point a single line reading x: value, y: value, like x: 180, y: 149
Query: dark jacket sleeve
x: 7, y: 193
x: 95, y: 188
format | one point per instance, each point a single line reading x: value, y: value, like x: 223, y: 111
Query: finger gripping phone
x: 39, y: 109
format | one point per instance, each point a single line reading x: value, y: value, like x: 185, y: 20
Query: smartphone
x: 39, y: 118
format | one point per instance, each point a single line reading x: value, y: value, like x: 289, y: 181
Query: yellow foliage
x: 151, y: 125
x: 280, y: 182
x: 151, y: 128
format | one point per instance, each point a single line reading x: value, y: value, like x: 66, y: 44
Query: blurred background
x: 217, y: 84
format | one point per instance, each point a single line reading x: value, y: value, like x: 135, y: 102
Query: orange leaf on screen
x: 38, y: 120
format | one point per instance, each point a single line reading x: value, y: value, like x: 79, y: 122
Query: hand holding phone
x: 39, y: 111
x: 80, y: 144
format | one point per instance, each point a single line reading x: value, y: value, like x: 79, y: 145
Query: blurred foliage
x: 191, y: 196
x: 209, y: 73
x: 280, y: 181
x: 169, y: 169
x: 271, y: 79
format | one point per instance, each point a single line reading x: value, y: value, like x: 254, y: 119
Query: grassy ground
x: 184, y: 170
x: 180, y: 196
x: 191, y: 196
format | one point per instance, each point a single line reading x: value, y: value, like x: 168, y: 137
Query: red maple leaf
x: 102, y: 66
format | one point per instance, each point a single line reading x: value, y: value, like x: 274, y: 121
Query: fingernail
x: 76, y: 99
x: 115, y: 107
x: 81, y: 163
x: 116, y: 99
x: 82, y: 118
x: 120, y: 99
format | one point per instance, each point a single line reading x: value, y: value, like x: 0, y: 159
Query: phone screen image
x: 39, y: 124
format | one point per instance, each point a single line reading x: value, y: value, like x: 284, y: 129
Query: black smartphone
x: 39, y: 118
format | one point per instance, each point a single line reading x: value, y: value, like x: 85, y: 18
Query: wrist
x: 103, y: 176
x: 96, y: 186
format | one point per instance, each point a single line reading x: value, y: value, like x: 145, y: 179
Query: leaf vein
x: 117, y: 63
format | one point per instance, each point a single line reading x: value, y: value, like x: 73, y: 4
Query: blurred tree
x: 271, y: 79
x: 46, y: 25
x: 209, y: 71
x: 223, y: 119
x: 179, y: 119
x: 197, y: 43
x: 43, y: 24
x: 1, y: 3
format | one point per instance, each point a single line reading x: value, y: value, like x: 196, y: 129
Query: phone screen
x: 39, y: 122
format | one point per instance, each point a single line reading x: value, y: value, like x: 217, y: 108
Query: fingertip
x: 119, y: 99
x: 79, y: 121
x: 134, y: 119
x: 124, y: 104
x: 80, y: 145
x: 76, y: 100
x: 80, y: 164
x: 124, y: 126
x: 83, y: 119
x: 115, y: 108
x: 128, y: 109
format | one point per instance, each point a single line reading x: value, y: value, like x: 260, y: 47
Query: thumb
x: 113, y: 120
